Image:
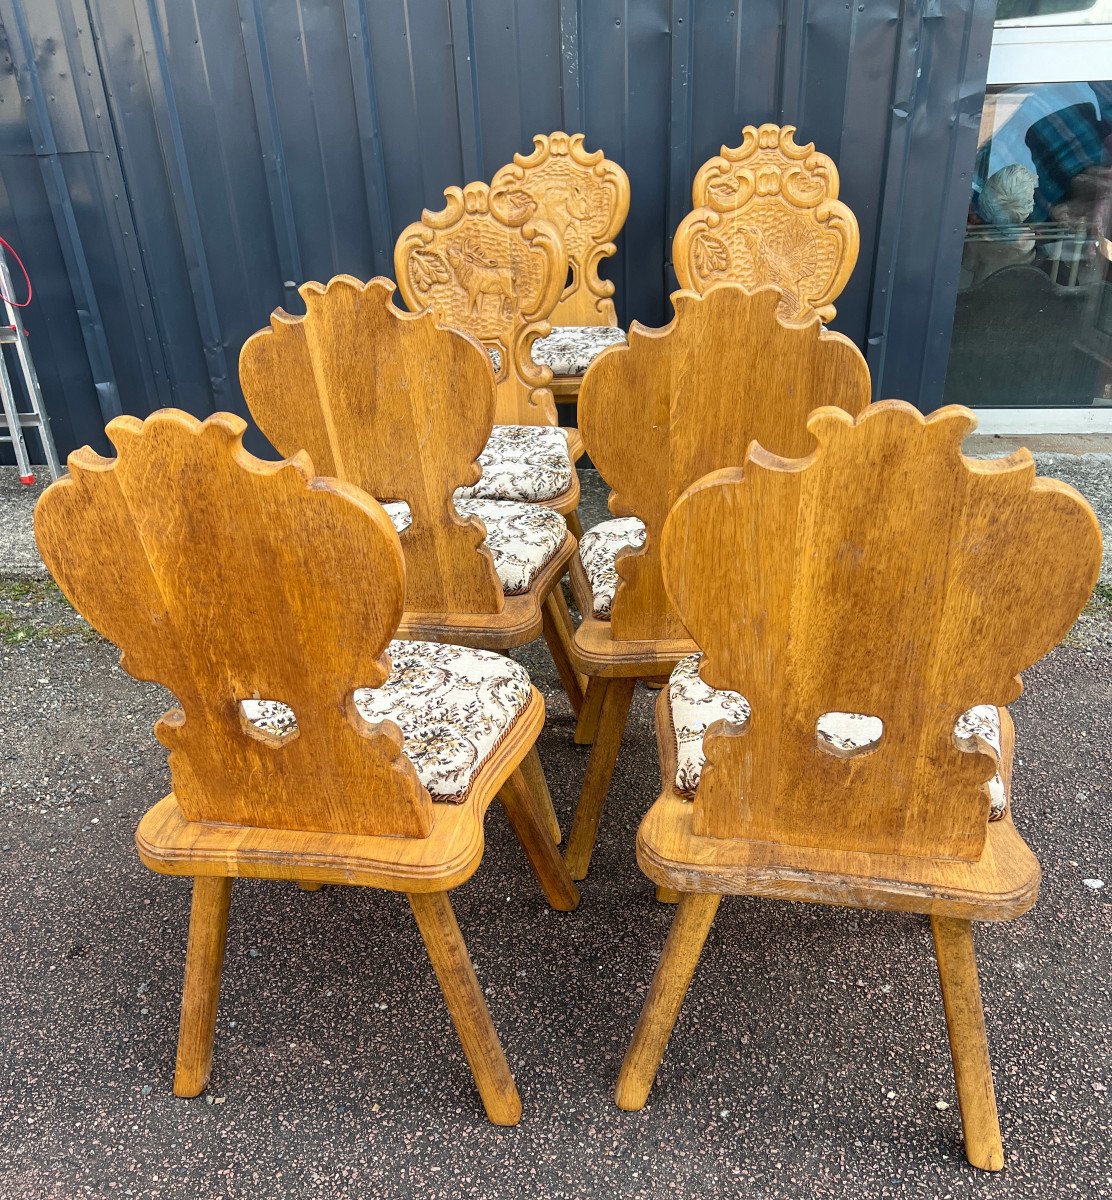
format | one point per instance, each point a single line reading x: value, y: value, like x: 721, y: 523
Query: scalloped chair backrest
x: 585, y: 197
x: 226, y: 578
x: 887, y: 575
x: 768, y: 211
x: 489, y: 269
x: 678, y: 402
x: 394, y: 403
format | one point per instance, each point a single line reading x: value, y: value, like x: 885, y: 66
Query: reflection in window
x: 1033, y: 324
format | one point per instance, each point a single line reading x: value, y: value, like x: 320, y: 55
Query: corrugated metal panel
x: 166, y: 167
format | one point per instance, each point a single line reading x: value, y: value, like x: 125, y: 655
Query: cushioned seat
x: 598, y: 549
x: 522, y: 538
x: 570, y: 349
x: 523, y: 462
x: 695, y: 706
x: 453, y: 705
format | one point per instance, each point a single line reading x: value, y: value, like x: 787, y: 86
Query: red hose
x: 27, y: 278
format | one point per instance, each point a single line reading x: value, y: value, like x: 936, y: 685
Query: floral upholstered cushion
x: 453, y: 706
x: 570, y: 349
x: 523, y: 462
x: 522, y: 538
x: 598, y: 548
x: 696, y: 706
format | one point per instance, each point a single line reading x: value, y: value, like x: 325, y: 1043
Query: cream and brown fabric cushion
x: 570, y: 349
x: 522, y: 538
x: 523, y: 462
x: 453, y: 705
x: 695, y: 706
x: 598, y: 550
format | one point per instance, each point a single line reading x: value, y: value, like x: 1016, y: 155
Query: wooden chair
x: 402, y: 407
x: 585, y: 197
x: 307, y: 745
x: 486, y: 268
x: 657, y: 415
x: 765, y: 212
x: 873, y: 604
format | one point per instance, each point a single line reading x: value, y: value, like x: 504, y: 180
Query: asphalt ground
x: 810, y: 1059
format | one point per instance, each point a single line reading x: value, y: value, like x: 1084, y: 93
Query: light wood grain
x: 662, y: 412
x: 888, y: 575
x: 600, y: 768
x: 687, y: 399
x: 895, y: 580
x: 466, y: 1006
x: 225, y: 578
x: 965, y: 1024
x: 585, y: 197
x: 767, y: 212
x: 490, y: 269
x: 204, y: 962
x: 528, y: 811
x: 686, y: 938
x: 394, y: 403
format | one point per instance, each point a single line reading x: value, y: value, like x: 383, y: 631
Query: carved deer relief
x: 490, y: 269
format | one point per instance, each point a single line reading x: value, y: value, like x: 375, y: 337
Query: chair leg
x: 587, y: 725
x: 533, y: 773
x: 204, y: 962
x: 596, y: 782
x: 688, y: 934
x: 528, y: 821
x: 558, y: 631
x: 309, y: 885
x: 468, y: 1009
x: 667, y: 895
x: 965, y: 1024
x: 574, y: 525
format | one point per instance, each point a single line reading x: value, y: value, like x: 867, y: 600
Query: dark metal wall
x: 166, y: 167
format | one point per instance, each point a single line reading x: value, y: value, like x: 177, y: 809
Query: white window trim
x: 1025, y: 421
x: 1049, y: 54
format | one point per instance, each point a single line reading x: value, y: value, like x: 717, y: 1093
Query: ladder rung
x: 27, y: 420
x: 7, y: 335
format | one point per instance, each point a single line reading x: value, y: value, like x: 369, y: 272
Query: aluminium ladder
x: 14, y: 419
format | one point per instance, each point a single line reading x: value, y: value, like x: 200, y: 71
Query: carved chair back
x: 679, y: 402
x: 585, y: 197
x: 394, y: 403
x: 488, y: 268
x: 768, y: 211
x: 226, y: 578
x: 886, y: 575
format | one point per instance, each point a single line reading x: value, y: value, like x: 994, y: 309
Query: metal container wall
x: 166, y: 169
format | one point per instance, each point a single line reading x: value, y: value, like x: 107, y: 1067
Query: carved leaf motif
x: 427, y: 268
x: 518, y: 204
x: 712, y: 256
x: 724, y: 189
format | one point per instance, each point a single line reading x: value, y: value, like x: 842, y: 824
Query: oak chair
x: 656, y: 416
x: 863, y: 615
x: 306, y: 745
x: 485, y: 267
x: 585, y: 197
x: 768, y: 211
x: 402, y: 407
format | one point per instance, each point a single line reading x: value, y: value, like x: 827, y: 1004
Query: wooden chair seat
x: 570, y: 349
x: 1003, y: 883
x: 173, y: 845
x: 532, y: 463
x: 522, y: 538
x: 693, y: 706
